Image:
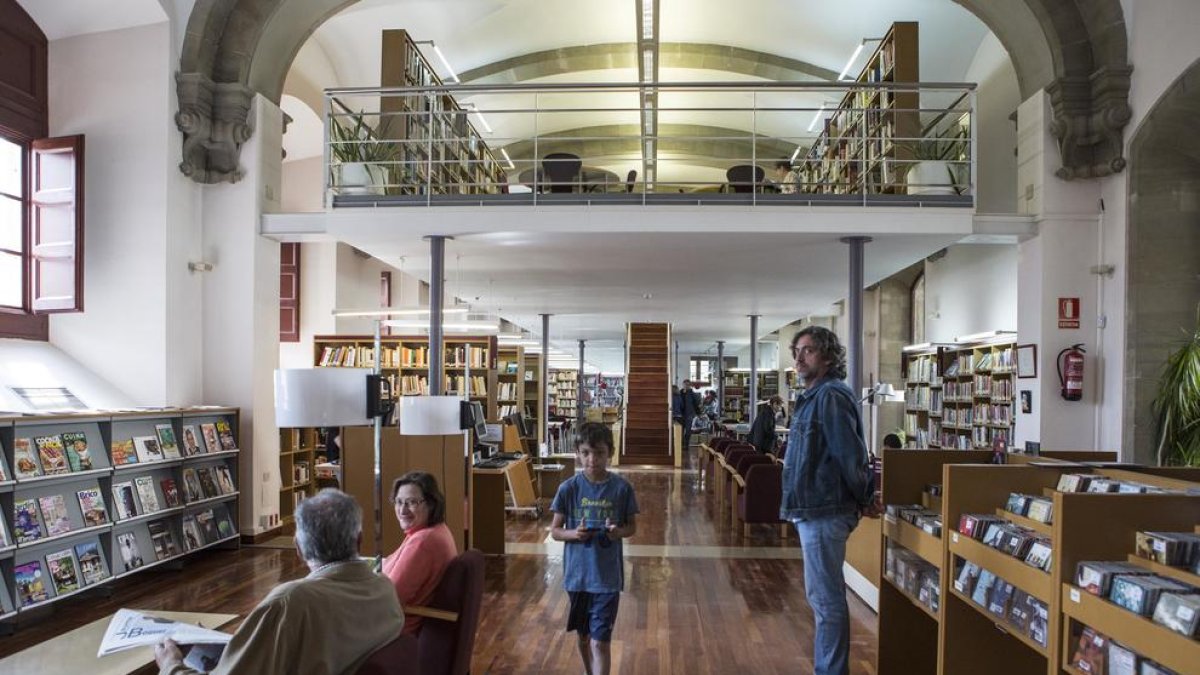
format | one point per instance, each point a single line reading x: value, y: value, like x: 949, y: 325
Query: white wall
x: 30, y: 363
x: 996, y: 98
x: 971, y: 290
x: 302, y: 185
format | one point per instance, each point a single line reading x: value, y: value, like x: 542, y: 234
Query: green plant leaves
x: 1177, y: 406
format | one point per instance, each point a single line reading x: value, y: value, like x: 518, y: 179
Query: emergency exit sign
x: 1068, y: 312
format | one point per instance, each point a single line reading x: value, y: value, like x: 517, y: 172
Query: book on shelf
x: 54, y: 458
x: 91, y: 505
x: 27, y: 525
x: 147, y: 449
x: 62, y: 570
x: 31, y: 584
x: 131, y: 554
x: 209, y: 432
x: 166, y: 441
x: 54, y: 514
x: 146, y: 494
x: 123, y: 498
x: 91, y: 562
x: 76, y: 445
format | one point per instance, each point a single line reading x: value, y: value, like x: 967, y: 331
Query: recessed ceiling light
x: 647, y: 296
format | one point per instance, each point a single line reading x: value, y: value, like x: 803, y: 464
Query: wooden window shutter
x: 289, y: 292
x: 56, y: 225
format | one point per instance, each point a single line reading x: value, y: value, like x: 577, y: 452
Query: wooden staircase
x: 647, y: 428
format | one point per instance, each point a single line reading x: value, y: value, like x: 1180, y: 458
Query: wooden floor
x: 696, y: 600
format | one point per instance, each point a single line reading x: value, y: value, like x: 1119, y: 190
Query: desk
x: 75, y: 651
x: 488, y: 503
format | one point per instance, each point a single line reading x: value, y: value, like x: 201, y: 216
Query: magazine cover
x: 225, y: 480
x: 192, y: 539
x: 91, y: 505
x: 123, y: 452
x: 123, y: 498
x: 5, y: 540
x: 226, y: 435
x: 91, y: 562
x: 25, y: 465
x: 4, y: 477
x: 76, y: 445
x: 224, y: 523
x: 191, y: 486
x: 191, y: 441
x: 166, y: 441
x: 170, y: 492
x: 26, y: 525
x: 147, y: 449
x: 54, y: 514
x: 54, y: 460
x: 207, y: 483
x: 208, y: 527
x: 211, y: 444
x: 61, y: 566
x: 131, y: 556
x: 163, y: 540
x: 31, y: 587
x: 146, y: 494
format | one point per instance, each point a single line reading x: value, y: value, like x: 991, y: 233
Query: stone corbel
x: 215, y: 120
x: 1090, y: 114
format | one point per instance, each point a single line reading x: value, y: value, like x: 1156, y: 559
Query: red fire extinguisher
x: 1070, y: 372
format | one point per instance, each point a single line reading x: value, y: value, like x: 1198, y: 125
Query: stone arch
x: 1163, y: 282
x: 1075, y: 49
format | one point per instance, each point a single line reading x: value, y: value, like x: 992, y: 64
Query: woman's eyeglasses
x: 410, y: 503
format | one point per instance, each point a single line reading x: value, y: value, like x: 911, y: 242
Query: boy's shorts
x: 593, y: 614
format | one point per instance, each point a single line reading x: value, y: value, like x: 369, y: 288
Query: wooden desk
x: 75, y: 651
x: 488, y: 503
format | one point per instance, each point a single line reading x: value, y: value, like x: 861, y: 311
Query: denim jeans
x: 824, y: 547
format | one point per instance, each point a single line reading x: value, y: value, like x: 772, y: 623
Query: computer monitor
x: 495, y: 434
x: 478, y: 419
x: 524, y: 428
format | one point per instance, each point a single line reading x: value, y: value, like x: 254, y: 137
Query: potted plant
x: 1177, y: 405
x: 930, y: 171
x: 362, y: 162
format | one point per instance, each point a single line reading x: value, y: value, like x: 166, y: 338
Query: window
x: 701, y: 368
x: 13, y: 206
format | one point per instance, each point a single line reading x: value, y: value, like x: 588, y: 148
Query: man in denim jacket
x: 827, y: 485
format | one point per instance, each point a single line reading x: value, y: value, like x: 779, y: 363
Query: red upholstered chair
x: 725, y: 469
x: 447, y: 635
x: 398, y: 657
x: 737, y: 484
x: 762, y: 491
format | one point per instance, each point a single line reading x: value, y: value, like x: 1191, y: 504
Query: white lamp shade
x: 321, y: 397
x: 429, y: 415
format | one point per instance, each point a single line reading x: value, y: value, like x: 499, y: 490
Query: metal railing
x: 779, y: 143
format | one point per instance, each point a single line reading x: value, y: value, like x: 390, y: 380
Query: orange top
x: 417, y: 566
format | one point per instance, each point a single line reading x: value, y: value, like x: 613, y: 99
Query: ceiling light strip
x: 647, y: 20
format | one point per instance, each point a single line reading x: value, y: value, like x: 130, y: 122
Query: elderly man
x: 328, y: 622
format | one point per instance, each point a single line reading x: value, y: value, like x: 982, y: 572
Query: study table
x: 75, y: 651
x: 488, y: 504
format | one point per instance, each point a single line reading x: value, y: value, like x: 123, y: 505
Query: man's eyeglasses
x: 807, y: 350
x: 410, y: 503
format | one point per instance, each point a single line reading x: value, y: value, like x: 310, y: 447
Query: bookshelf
x: 563, y: 392
x: 866, y: 139
x: 510, y: 381
x: 82, y: 505
x: 297, y: 469
x: 533, y: 387
x: 737, y: 393
x: 436, y: 141
x: 469, y: 364
x: 960, y: 397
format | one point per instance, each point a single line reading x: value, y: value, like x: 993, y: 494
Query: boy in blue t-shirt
x: 593, y: 512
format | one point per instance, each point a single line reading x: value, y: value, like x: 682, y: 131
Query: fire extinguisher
x: 1070, y: 372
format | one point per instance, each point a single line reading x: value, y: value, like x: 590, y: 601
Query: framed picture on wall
x: 1026, y: 361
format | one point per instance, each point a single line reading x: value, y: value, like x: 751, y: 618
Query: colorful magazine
x: 3, y: 469
x: 163, y: 540
x: 123, y: 452
x: 76, y: 445
x: 225, y: 480
x: 191, y: 486
x: 5, y: 539
x: 166, y: 441
x: 147, y: 449
x: 54, y: 460
x: 146, y: 494
x: 54, y: 515
x: 192, y: 538
x: 131, y: 555
x: 226, y: 435
x: 224, y: 523
x: 191, y: 441
x: 61, y: 566
x: 211, y: 444
x: 170, y: 492
x: 208, y: 526
x: 123, y: 498
x: 91, y: 505
x: 207, y: 482
x: 26, y: 525
x: 25, y: 463
x: 91, y: 562
x: 31, y: 587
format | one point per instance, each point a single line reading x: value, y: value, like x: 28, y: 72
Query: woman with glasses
x: 428, y: 547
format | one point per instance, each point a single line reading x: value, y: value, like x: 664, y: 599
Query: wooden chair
x: 447, y: 638
x: 761, y: 494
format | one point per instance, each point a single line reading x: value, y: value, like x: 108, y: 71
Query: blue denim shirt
x: 826, y: 470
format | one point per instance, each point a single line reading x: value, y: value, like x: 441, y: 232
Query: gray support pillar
x: 720, y: 370
x: 854, y: 309
x: 579, y: 417
x: 544, y: 400
x: 753, y: 366
x: 437, y: 275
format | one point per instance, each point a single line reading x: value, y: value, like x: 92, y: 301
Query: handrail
x: 601, y: 86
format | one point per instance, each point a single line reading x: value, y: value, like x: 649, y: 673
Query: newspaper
x: 129, y: 629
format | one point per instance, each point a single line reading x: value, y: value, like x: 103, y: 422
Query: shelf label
x: 954, y: 537
x: 1074, y: 595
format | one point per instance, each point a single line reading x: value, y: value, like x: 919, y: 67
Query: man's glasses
x: 806, y: 350
x: 410, y: 503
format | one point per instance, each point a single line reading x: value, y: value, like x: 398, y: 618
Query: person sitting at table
x: 786, y: 178
x: 762, y: 429
x: 330, y: 621
x: 428, y: 547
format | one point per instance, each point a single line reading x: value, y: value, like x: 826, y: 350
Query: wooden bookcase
x: 156, y: 529
x: 868, y: 138
x: 468, y: 361
x: 510, y: 381
x: 563, y: 393
x: 436, y: 140
x: 737, y: 394
x: 297, y: 470
x: 960, y: 397
x: 533, y: 392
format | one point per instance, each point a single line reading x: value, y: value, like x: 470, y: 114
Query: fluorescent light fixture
x: 446, y: 64
x: 816, y: 117
x: 647, y: 65
x: 986, y: 335
x: 648, y: 19
x: 510, y: 336
x: 795, y: 154
x: 397, y: 311
x: 507, y: 160
x: 478, y: 326
x: 483, y: 121
x: 917, y: 347
x: 846, y: 70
